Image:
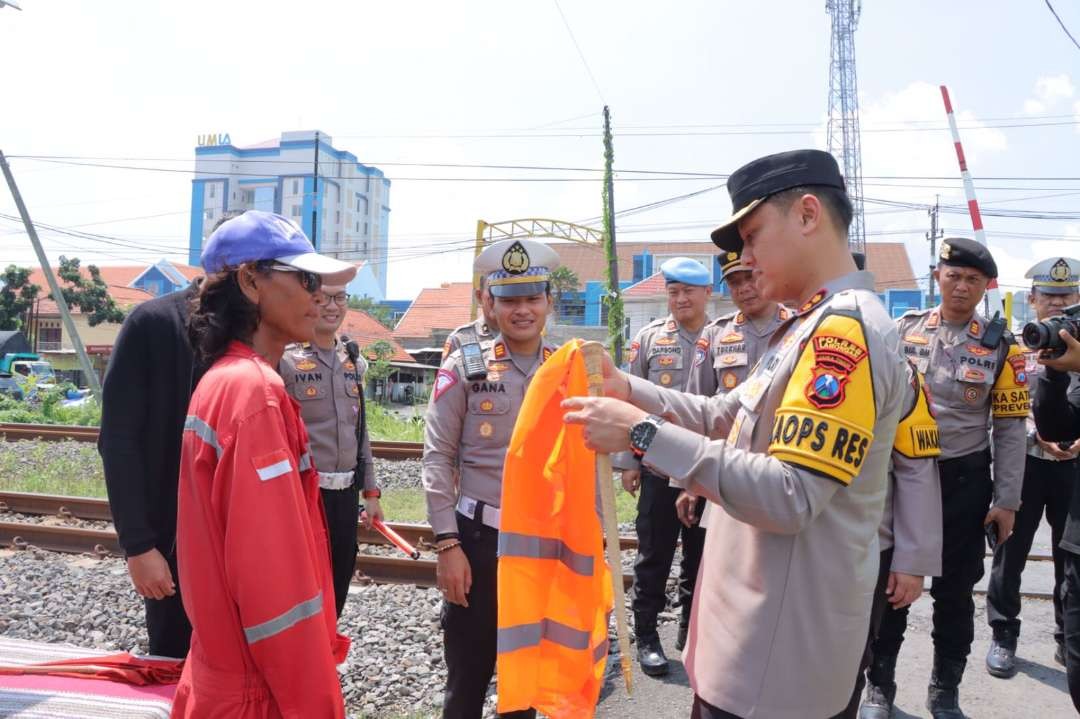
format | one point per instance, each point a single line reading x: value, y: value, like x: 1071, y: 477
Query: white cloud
x: 1034, y: 107
x: 1049, y: 90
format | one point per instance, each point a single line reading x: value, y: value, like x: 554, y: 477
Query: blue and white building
x: 353, y: 199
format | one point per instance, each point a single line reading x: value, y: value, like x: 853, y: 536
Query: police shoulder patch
x: 444, y: 380
x: 1010, y: 397
x: 825, y: 421
x: 917, y: 433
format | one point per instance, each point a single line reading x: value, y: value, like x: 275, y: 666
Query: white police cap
x: 516, y: 268
x: 1055, y: 276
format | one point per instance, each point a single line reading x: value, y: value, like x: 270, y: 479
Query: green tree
x: 378, y: 355
x: 89, y: 295
x: 563, y: 280
x: 16, y: 297
x: 380, y: 313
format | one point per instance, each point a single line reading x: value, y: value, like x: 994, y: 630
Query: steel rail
x: 13, y: 432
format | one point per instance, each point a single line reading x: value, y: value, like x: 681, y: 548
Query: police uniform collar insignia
x: 499, y: 350
x: 933, y: 320
x: 516, y: 259
x: 813, y: 302
x: 740, y: 319
x: 671, y: 326
x: 975, y: 329
x: 783, y: 313
x: 547, y: 353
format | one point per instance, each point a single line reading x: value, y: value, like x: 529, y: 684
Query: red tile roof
x: 887, y: 260
x: 648, y: 287
x: 436, y: 308
x: 366, y: 330
x: 117, y: 277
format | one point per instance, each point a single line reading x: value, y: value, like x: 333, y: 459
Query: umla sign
x: 213, y: 140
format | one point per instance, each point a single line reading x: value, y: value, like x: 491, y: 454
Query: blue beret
x: 687, y: 271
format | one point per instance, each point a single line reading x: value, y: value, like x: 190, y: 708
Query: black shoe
x: 1059, y: 654
x: 943, y: 694
x: 1001, y: 659
x: 651, y: 657
x: 880, y: 689
x: 680, y: 638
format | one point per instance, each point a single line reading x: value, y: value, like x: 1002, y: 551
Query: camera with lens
x: 1043, y: 334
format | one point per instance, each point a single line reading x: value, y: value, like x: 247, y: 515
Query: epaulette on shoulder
x: 916, y: 313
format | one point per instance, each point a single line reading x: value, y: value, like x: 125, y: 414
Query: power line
x: 581, y: 54
x: 1062, y: 24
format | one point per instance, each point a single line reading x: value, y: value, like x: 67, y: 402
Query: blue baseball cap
x: 257, y: 235
x: 687, y: 271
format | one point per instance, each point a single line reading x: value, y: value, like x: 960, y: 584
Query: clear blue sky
x: 143, y: 79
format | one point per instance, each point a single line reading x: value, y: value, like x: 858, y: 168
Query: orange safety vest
x: 555, y: 593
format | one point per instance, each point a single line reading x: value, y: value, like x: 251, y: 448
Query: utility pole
x: 615, y: 306
x: 315, y: 198
x: 933, y: 236
x: 54, y: 286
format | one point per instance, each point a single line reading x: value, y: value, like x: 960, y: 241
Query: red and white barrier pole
x: 993, y: 295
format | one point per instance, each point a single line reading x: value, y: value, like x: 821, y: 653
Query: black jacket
x: 144, y: 402
x: 1056, y: 406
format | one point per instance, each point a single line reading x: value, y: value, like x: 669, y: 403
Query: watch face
x: 642, y: 434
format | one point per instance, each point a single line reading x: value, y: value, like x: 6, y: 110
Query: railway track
x: 104, y: 543
x: 12, y: 432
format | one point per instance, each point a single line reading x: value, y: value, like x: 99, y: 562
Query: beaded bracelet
x: 445, y: 547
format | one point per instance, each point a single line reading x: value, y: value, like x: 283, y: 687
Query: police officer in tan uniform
x: 471, y: 414
x: 670, y: 352
x: 976, y: 375
x: 1049, y: 475
x: 328, y: 383
x: 481, y: 330
x: 791, y: 556
x: 738, y: 339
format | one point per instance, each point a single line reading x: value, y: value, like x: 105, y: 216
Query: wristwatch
x: 372, y: 493
x: 642, y: 433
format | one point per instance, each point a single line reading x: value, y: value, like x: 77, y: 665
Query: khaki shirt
x: 667, y: 355
x: 468, y: 428
x: 973, y: 387
x: 791, y: 555
x: 735, y: 346
x: 324, y: 383
x: 484, y: 336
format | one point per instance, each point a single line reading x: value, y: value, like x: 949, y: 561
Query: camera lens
x: 1037, y: 335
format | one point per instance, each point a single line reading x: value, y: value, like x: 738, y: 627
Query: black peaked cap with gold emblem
x: 755, y: 181
x: 962, y: 252
x: 516, y: 268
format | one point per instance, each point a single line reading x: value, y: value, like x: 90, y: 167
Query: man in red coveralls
x: 252, y: 540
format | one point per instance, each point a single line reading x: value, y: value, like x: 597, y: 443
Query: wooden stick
x: 593, y: 353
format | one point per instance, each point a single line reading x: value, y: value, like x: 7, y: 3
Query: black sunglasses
x: 310, y: 281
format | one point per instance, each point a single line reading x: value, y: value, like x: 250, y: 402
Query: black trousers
x: 658, y: 529
x: 877, y: 610
x: 342, y: 507
x: 470, y: 633
x: 1047, y: 489
x: 167, y: 625
x: 966, y: 492
x: 1071, y: 612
